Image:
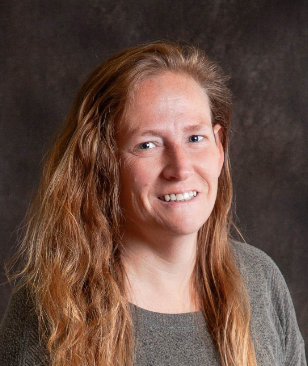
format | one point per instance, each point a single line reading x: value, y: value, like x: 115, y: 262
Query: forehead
x: 165, y: 101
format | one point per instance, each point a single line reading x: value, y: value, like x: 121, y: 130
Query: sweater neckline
x: 148, y: 318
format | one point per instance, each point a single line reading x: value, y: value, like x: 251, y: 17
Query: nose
x: 177, y: 164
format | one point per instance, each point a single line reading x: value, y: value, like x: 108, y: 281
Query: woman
x: 128, y: 257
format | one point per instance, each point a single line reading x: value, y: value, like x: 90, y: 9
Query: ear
x: 218, y: 140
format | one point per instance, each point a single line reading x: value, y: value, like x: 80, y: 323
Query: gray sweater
x: 182, y: 339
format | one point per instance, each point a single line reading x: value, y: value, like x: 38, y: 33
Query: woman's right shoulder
x: 19, y: 336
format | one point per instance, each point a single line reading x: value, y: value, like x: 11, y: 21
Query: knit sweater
x: 181, y: 339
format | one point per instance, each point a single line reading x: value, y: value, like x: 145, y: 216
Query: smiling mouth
x: 179, y: 197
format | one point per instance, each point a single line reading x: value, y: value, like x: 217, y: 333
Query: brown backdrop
x: 48, y: 47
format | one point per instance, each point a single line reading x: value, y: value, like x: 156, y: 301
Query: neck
x: 159, y: 272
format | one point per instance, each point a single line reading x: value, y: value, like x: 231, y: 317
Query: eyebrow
x: 190, y: 128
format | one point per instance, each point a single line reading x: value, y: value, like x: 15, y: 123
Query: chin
x: 184, y: 228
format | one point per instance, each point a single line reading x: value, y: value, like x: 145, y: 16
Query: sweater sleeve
x: 283, y: 309
x: 19, y: 337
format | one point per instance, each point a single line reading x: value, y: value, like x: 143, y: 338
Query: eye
x: 195, y: 138
x: 146, y: 145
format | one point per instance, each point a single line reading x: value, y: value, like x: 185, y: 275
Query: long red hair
x: 72, y: 258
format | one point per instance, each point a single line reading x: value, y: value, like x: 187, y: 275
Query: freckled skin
x: 170, y: 104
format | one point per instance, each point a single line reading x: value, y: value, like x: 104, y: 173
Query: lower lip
x: 172, y: 203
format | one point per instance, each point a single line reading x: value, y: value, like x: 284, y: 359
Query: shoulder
x: 260, y: 273
x: 256, y: 266
x: 19, y: 336
x: 272, y: 312
x: 247, y: 255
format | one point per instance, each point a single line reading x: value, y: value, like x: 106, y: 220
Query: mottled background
x: 48, y: 48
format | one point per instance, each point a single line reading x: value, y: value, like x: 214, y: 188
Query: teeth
x: 167, y: 197
x: 180, y: 196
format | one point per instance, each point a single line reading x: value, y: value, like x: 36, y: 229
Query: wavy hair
x: 71, y: 248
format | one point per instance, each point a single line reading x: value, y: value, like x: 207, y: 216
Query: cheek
x: 217, y: 171
x: 217, y: 162
x: 211, y: 165
x: 135, y: 177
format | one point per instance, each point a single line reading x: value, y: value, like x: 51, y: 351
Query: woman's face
x: 170, y: 157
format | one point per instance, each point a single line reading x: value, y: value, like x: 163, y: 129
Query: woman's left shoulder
x: 255, y: 263
x: 274, y: 326
x: 261, y: 274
